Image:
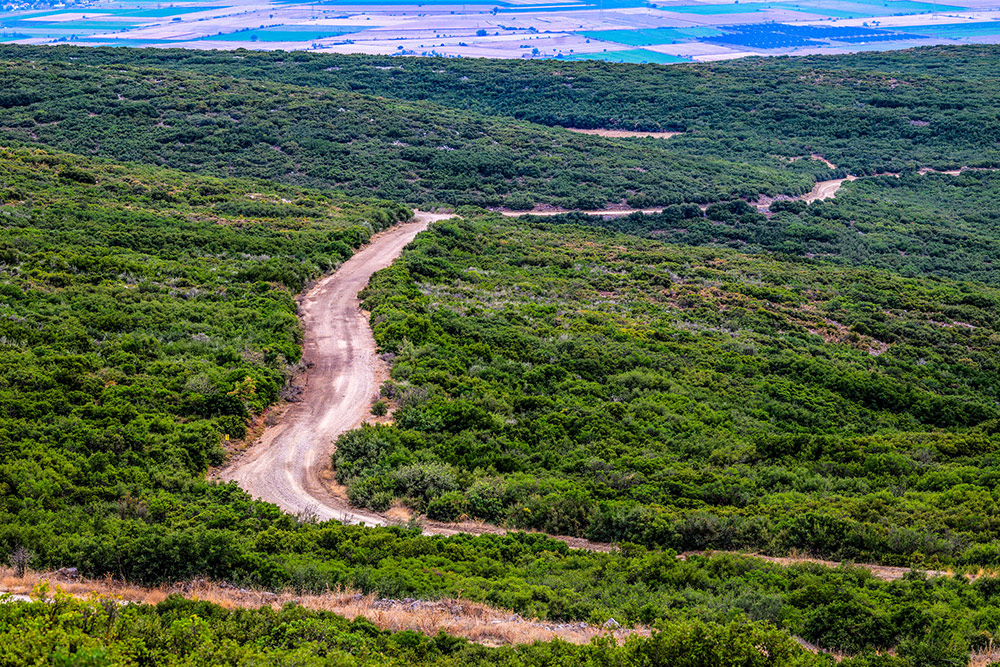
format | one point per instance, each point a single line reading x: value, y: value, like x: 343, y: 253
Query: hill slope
x: 942, y: 225
x: 550, y: 376
x: 866, y: 112
x: 596, y: 385
x: 144, y: 315
x: 406, y: 151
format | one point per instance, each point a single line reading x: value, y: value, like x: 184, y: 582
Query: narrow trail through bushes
x: 821, y: 190
x: 289, y: 465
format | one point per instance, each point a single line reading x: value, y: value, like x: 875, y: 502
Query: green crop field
x: 287, y: 33
x: 955, y: 30
x: 835, y: 9
x: 716, y: 9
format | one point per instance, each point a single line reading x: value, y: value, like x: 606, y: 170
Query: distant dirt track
x: 284, y: 467
x: 820, y: 191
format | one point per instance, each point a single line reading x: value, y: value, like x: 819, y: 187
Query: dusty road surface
x: 824, y: 189
x: 820, y: 191
x: 284, y: 466
x: 923, y: 171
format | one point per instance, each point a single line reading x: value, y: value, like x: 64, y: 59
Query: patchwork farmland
x: 634, y: 31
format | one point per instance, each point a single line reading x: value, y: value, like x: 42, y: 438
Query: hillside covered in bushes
x: 740, y: 372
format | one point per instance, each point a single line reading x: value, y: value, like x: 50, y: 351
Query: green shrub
x: 450, y: 506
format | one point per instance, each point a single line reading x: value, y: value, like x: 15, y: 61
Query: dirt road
x: 821, y: 190
x: 284, y: 466
x: 824, y: 190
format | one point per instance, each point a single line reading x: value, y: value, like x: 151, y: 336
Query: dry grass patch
x: 474, y: 621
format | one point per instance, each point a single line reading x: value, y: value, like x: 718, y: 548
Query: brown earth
x: 290, y: 464
x: 605, y: 212
x: 820, y: 191
x: 954, y: 172
x: 284, y: 467
x: 622, y: 134
x: 490, y: 626
x: 817, y: 157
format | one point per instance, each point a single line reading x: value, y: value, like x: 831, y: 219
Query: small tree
x: 20, y: 559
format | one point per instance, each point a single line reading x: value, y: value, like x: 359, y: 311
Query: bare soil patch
x: 953, y: 172
x: 605, y: 212
x: 624, y: 134
x: 817, y: 157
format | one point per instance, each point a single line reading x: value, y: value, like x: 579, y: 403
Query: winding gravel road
x: 284, y: 466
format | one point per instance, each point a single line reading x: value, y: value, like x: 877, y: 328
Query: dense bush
x: 932, y: 225
x: 144, y: 317
x: 603, y: 386
x: 410, y: 151
x: 866, y: 112
x: 547, y: 376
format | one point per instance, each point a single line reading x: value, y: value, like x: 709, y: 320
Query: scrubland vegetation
x: 866, y: 112
x: 406, y: 151
x: 146, y: 315
x: 590, y: 384
x: 183, y: 632
x: 939, y: 225
x: 818, y: 379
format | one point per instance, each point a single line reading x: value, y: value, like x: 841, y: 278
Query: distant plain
x: 636, y: 31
